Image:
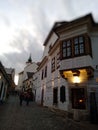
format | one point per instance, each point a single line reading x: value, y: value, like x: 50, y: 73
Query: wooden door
x: 78, y: 98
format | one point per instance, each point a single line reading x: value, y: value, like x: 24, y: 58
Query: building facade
x: 11, y: 74
x: 20, y: 81
x: 5, y: 84
x: 68, y: 72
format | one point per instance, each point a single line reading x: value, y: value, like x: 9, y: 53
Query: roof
x: 64, y: 24
x: 9, y: 70
x: 21, y: 72
x: 58, y: 24
x: 84, y: 19
x: 30, y: 74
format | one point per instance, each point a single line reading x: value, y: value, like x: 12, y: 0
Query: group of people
x: 26, y: 96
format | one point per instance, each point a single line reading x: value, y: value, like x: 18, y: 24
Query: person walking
x: 27, y: 98
x: 21, y: 97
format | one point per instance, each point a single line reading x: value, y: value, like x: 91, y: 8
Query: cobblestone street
x: 34, y: 117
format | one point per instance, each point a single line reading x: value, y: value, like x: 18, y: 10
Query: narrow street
x: 32, y: 117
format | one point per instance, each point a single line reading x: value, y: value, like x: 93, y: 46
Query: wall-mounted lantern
x: 76, y: 76
x: 76, y: 79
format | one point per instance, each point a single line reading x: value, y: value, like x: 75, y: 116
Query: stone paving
x: 34, y: 117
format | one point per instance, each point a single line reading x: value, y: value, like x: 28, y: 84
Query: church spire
x: 29, y: 60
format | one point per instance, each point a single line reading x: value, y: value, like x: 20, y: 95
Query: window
x: 76, y: 46
x: 79, y: 45
x: 96, y: 67
x: 58, y: 60
x: 55, y: 96
x: 46, y: 71
x: 62, y: 94
x: 1, y: 89
x: 53, y: 64
x: 66, y: 49
x: 42, y: 74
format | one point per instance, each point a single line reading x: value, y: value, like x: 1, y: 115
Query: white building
x: 26, y: 76
x: 36, y: 87
x: 68, y: 71
x: 20, y: 81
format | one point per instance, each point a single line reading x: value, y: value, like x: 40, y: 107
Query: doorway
x: 55, y: 96
x: 78, y: 98
x: 93, y: 108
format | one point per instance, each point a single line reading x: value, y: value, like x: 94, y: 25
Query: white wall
x: 52, y: 80
x: 94, y: 41
x: 74, y: 32
x: 38, y: 95
x: 76, y: 62
x: 20, y: 81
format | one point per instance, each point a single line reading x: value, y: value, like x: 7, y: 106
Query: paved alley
x: 32, y: 117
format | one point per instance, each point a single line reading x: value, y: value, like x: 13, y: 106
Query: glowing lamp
x: 76, y: 79
x: 80, y: 101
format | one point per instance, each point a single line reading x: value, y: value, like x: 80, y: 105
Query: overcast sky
x: 25, y: 24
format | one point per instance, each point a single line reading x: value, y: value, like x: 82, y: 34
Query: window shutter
x: 62, y: 94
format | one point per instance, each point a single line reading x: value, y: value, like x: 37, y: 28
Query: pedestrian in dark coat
x: 21, y: 97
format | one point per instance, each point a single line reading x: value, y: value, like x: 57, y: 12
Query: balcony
x: 77, y: 62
